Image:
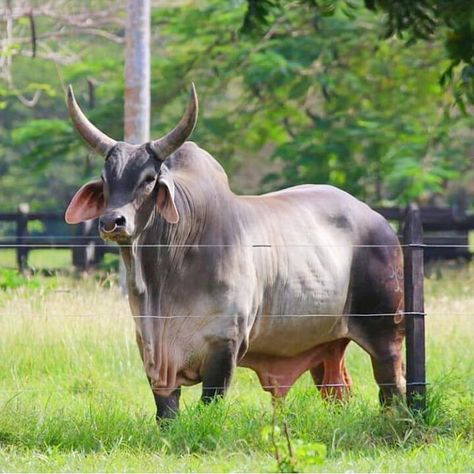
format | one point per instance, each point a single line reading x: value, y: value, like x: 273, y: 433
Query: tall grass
x: 73, y: 395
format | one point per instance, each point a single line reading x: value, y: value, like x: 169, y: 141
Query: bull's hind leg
x: 383, y: 341
x: 384, y: 344
x: 331, y: 375
x: 379, y: 292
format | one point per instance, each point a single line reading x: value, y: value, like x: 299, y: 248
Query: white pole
x: 137, y: 81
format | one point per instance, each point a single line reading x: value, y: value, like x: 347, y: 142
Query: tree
x: 311, y: 98
x: 412, y: 20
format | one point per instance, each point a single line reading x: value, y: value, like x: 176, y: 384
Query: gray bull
x: 278, y: 283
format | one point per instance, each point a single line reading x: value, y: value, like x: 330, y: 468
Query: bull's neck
x: 162, y: 248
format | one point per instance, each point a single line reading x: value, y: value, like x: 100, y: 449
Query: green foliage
x: 292, y: 455
x: 413, y: 20
x: 308, y: 91
x: 11, y: 279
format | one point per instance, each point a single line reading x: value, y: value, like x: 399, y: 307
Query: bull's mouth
x: 115, y: 234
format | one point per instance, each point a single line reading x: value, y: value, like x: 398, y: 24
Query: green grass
x: 38, y: 259
x: 73, y: 395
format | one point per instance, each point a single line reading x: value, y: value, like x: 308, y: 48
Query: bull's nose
x: 112, y: 222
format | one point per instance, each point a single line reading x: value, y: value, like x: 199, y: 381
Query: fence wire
x: 197, y: 316
x: 94, y: 241
x: 54, y: 246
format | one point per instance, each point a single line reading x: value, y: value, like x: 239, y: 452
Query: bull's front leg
x: 217, y: 369
x: 167, y: 407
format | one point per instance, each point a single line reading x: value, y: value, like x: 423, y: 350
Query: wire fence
x: 310, y: 245
x: 263, y: 386
x: 192, y: 316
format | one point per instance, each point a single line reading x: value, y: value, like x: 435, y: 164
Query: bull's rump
x: 314, y: 232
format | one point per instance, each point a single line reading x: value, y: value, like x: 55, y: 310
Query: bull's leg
x: 167, y: 407
x: 382, y: 339
x: 317, y: 372
x: 346, y: 376
x: 332, y: 376
x: 377, y: 294
x: 217, y: 370
x: 387, y: 364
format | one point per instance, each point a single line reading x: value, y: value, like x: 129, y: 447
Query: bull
x: 278, y: 283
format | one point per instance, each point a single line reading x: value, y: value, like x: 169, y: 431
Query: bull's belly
x: 290, y: 339
x: 282, y: 348
x: 293, y: 334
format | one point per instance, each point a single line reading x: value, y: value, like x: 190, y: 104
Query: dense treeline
x: 309, y: 95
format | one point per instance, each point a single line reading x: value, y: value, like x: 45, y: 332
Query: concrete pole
x: 137, y: 72
x: 137, y: 81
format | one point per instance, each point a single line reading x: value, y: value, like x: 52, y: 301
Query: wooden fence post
x: 21, y: 234
x: 415, y: 309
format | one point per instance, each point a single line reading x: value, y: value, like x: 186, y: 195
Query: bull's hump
x: 190, y: 159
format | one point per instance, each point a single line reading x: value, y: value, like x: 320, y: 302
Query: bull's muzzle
x: 113, y: 226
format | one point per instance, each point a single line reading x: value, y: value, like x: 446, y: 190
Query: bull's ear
x: 165, y: 199
x: 87, y: 203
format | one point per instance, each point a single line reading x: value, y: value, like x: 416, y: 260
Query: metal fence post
x: 21, y: 234
x: 415, y: 309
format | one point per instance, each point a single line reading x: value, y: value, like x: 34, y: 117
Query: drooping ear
x: 87, y: 203
x: 165, y: 200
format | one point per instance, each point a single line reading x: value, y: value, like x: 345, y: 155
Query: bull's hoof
x: 165, y: 416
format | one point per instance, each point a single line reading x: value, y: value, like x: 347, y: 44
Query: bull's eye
x: 149, y: 179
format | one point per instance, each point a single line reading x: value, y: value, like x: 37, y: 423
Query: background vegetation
x: 358, y: 94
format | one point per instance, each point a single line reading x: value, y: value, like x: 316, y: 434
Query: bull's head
x: 135, y: 180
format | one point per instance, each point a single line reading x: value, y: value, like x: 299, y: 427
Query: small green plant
x: 11, y: 279
x: 110, y: 263
x: 291, y: 455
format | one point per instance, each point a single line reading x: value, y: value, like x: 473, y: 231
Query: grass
x: 73, y: 395
x: 41, y: 258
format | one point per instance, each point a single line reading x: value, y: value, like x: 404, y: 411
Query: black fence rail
x: 87, y: 248
x: 445, y: 230
x: 446, y: 235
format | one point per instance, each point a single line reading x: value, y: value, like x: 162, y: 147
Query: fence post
x: 21, y: 234
x: 83, y: 255
x: 414, y: 306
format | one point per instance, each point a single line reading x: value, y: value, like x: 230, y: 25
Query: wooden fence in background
x: 87, y: 248
x: 442, y: 226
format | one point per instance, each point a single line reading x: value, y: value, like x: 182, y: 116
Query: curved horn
x: 97, y: 140
x: 163, y: 147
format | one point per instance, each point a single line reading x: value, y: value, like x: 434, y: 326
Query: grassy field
x: 73, y: 395
x: 41, y: 258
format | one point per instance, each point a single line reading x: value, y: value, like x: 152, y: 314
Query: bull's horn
x: 166, y: 145
x: 97, y: 140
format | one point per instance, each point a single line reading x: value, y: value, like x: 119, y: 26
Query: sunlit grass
x: 73, y: 395
x: 38, y: 259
